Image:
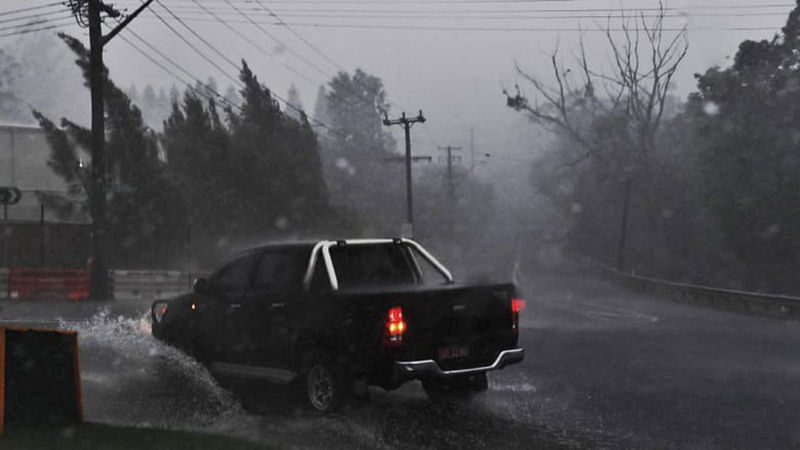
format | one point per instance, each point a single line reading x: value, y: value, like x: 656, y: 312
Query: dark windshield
x: 372, y: 265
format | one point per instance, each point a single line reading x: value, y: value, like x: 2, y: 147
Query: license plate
x: 458, y: 351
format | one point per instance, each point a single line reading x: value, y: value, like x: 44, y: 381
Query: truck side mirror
x: 200, y: 286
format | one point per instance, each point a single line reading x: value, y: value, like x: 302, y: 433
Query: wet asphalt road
x: 604, y: 367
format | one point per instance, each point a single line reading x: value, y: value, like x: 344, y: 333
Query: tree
x: 745, y: 121
x: 43, y: 62
x: 357, y: 149
x: 10, y: 104
x: 145, y: 215
x: 609, y: 123
x: 259, y: 177
x: 293, y: 98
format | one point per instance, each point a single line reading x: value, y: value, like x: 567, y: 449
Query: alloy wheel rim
x: 320, y: 387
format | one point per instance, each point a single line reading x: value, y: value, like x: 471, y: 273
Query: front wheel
x: 325, y: 387
x: 461, y: 388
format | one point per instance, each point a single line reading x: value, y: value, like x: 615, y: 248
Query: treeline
x: 218, y: 177
x: 712, y: 185
x: 226, y: 176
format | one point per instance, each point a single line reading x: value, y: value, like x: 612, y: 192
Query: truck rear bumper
x: 429, y: 367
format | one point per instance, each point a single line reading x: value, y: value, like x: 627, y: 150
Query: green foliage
x: 746, y: 124
x: 10, y: 105
x: 357, y: 152
x: 256, y: 178
x: 144, y: 214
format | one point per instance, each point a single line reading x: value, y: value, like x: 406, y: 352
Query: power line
x: 32, y: 8
x: 321, y: 53
x: 197, y: 35
x: 509, y: 29
x: 299, y: 36
x: 288, y: 105
x: 33, y: 30
x: 471, y: 15
x: 40, y: 22
x: 442, y: 27
x: 193, y: 47
x: 35, y: 16
x: 417, y: 9
x: 254, y: 44
x: 271, y: 36
x: 206, y: 86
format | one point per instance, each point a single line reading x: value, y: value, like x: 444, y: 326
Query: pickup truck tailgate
x: 458, y: 327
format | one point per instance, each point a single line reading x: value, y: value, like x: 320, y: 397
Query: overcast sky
x: 450, y: 58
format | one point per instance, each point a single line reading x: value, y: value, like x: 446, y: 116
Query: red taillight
x: 159, y: 310
x: 517, y: 305
x: 395, y: 327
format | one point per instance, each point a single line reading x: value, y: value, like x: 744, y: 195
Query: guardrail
x: 132, y: 285
x: 3, y: 283
x: 780, y: 306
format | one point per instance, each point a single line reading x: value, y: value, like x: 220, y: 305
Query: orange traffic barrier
x: 64, y: 284
x: 40, y: 381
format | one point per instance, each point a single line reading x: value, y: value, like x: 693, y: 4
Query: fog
x: 451, y: 60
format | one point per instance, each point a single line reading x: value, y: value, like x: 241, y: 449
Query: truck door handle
x: 278, y: 305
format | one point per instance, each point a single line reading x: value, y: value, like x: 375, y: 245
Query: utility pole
x: 89, y: 13
x: 623, y: 228
x: 472, y: 148
x: 407, y: 123
x: 450, y: 188
x: 450, y: 150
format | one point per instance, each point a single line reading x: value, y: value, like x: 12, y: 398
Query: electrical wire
x: 193, y: 47
x: 255, y: 44
x: 178, y: 67
x: 274, y: 38
x: 32, y: 8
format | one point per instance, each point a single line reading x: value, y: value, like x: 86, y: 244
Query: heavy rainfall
x: 342, y: 223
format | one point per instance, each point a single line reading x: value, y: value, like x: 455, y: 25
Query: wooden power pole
x: 451, y: 190
x: 407, y: 123
x: 90, y: 13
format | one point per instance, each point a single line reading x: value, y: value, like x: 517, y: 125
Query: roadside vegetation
x: 705, y: 190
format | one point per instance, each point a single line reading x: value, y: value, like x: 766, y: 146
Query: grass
x: 90, y: 436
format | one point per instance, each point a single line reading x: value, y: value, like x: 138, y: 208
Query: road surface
x: 605, y: 367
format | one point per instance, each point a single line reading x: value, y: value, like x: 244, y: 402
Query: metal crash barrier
x: 40, y: 381
x: 147, y: 285
x: 3, y: 283
x: 780, y: 306
x: 62, y: 284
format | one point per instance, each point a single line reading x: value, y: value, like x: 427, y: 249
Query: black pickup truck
x: 336, y: 316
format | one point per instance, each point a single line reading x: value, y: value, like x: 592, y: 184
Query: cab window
x: 372, y: 265
x: 281, y: 270
x: 234, y: 278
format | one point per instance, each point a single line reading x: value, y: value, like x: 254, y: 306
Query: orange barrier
x: 65, y: 284
x: 40, y: 382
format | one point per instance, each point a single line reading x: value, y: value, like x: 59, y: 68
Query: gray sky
x: 450, y: 58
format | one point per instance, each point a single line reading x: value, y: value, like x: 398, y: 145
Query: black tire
x: 325, y: 387
x: 459, y: 388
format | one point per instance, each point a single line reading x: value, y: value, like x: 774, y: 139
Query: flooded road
x: 604, y: 367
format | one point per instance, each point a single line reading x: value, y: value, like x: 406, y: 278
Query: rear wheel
x: 461, y: 388
x: 325, y: 387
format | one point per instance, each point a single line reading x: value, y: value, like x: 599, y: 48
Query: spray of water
x: 130, y: 378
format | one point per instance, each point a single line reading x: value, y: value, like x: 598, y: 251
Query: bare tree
x: 643, y: 60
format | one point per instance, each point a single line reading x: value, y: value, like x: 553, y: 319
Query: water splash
x: 130, y: 378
